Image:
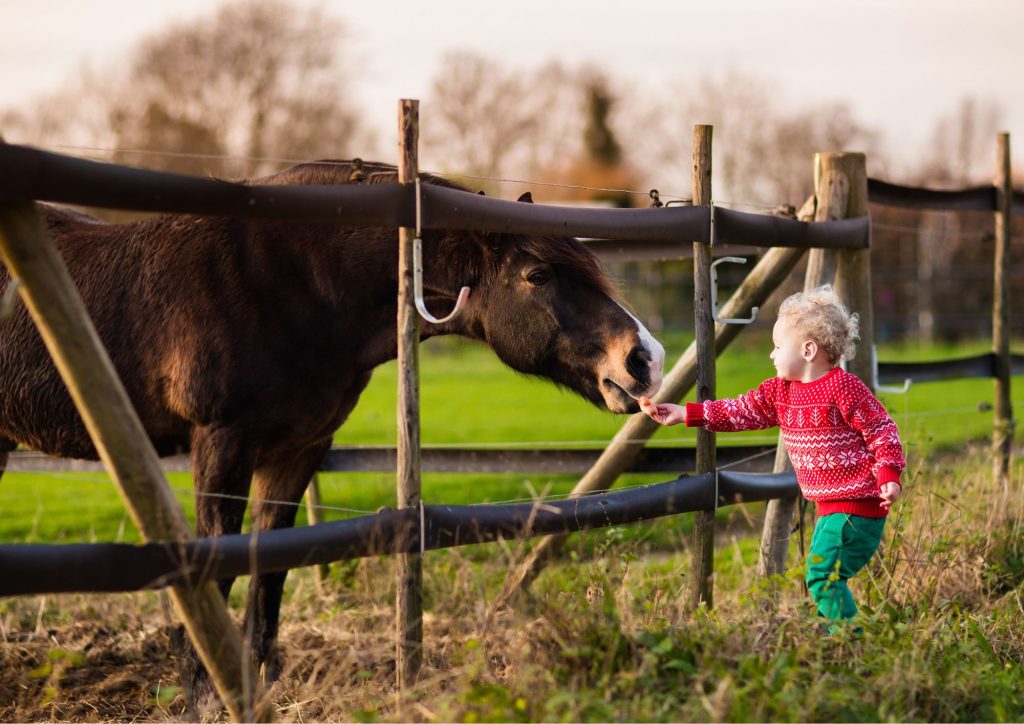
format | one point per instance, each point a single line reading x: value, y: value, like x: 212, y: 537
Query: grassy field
x: 605, y: 634
x: 468, y: 397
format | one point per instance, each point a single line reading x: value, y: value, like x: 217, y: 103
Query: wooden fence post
x: 315, y: 515
x: 1003, y: 423
x: 409, y: 603
x: 831, y: 191
x: 702, y: 567
x: 853, y: 266
x: 57, y: 309
x: 778, y: 520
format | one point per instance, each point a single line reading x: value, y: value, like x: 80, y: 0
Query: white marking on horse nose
x: 655, y: 349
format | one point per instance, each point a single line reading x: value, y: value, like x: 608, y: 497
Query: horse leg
x: 284, y: 480
x: 6, y: 446
x: 222, y: 470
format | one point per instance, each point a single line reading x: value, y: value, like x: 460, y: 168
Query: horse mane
x: 563, y: 252
x: 354, y: 171
x: 569, y: 254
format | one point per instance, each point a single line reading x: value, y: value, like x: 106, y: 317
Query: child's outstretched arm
x: 666, y: 413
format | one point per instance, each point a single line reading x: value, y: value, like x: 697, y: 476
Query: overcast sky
x: 900, y: 64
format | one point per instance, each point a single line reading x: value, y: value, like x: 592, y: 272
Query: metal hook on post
x: 714, y: 293
x: 890, y: 389
x: 417, y: 277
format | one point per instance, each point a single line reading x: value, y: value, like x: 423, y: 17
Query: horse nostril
x: 638, y: 364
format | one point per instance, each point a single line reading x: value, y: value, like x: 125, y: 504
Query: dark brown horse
x: 249, y: 342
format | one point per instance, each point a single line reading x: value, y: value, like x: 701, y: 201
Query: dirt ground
x: 111, y: 658
x: 89, y: 671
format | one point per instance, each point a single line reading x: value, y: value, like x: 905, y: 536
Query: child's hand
x: 889, y: 493
x: 666, y: 413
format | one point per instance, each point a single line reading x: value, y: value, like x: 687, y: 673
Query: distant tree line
x: 260, y: 83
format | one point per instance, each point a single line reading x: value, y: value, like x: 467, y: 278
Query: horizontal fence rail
x: 381, y: 458
x: 29, y: 173
x: 739, y: 227
x: 980, y: 366
x: 455, y: 209
x: 977, y: 198
x: 65, y: 568
x: 32, y: 174
x: 614, y: 250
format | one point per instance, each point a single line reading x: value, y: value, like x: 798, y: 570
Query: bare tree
x: 763, y: 148
x: 591, y: 163
x: 477, y: 114
x: 558, y: 98
x: 489, y: 120
x: 73, y: 114
x: 658, y: 132
x: 963, y: 144
x: 263, y: 79
x: 259, y: 79
x: 795, y: 138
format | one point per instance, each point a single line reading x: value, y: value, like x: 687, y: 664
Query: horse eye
x: 538, y: 277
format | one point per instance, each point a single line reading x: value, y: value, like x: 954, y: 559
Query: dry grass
x: 601, y: 638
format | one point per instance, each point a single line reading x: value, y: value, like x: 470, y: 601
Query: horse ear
x: 488, y: 240
x: 526, y: 198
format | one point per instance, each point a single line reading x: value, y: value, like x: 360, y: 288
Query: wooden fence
x: 41, y: 568
x: 31, y: 174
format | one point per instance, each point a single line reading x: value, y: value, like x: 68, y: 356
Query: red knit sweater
x: 842, y: 443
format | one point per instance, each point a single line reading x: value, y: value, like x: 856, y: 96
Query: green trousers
x: 842, y: 544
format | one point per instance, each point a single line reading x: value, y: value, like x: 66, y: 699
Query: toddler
x: 844, y: 447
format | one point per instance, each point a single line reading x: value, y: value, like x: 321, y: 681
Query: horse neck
x: 368, y: 264
x: 451, y: 262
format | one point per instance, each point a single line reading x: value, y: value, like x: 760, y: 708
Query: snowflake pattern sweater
x: 841, y: 441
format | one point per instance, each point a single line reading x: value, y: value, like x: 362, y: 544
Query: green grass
x: 605, y: 634
x: 468, y: 397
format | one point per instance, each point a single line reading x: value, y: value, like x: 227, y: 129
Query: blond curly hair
x: 822, y: 316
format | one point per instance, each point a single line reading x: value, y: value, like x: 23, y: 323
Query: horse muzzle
x: 626, y: 377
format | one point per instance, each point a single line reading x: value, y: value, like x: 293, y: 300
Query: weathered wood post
x: 853, y: 266
x: 315, y: 515
x: 831, y: 192
x: 702, y: 567
x: 409, y: 603
x: 58, y: 311
x: 1003, y: 423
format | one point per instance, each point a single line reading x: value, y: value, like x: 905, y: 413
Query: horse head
x: 547, y: 309
x: 542, y: 303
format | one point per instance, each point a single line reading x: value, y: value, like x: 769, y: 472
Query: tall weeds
x: 604, y: 635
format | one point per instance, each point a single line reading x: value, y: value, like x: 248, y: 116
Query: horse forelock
x: 565, y: 253
x: 571, y: 256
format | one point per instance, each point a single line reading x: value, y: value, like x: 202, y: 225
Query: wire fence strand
x: 371, y: 164
x: 679, y: 442
x: 181, y: 492
x: 672, y: 197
